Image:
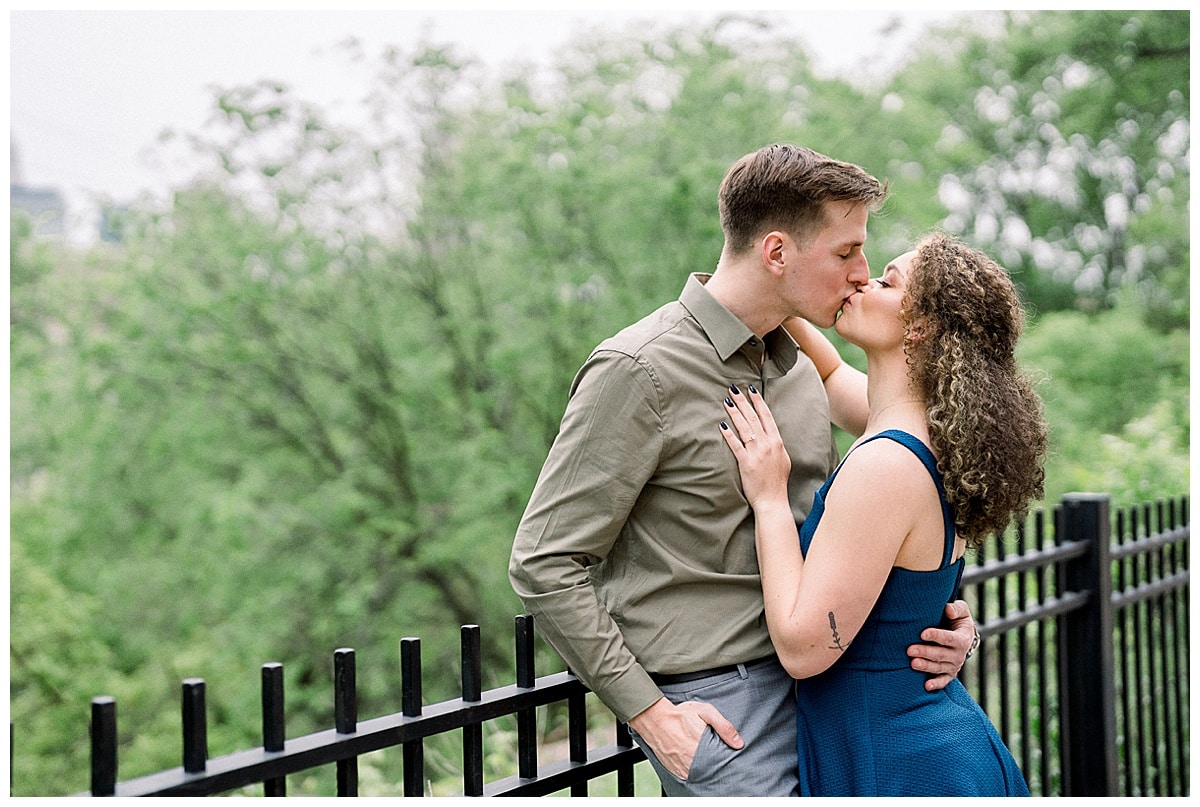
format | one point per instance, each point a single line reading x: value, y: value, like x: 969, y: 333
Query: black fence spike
x: 104, y: 746
x: 527, y: 762
x: 274, y: 732
x: 195, y: 726
x: 345, y: 689
x: 410, y: 701
x: 525, y: 656
x: 472, y: 692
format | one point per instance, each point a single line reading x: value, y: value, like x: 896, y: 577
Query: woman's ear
x: 914, y: 333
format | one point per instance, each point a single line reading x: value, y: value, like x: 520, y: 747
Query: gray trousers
x: 760, y: 702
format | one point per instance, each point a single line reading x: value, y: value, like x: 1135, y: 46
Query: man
x: 636, y: 552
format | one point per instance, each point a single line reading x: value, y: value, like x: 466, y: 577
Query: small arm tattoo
x: 837, y: 640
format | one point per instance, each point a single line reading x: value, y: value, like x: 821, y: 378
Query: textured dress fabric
x: 866, y: 726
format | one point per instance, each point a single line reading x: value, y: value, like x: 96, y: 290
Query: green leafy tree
x: 1116, y: 394
x: 1066, y: 144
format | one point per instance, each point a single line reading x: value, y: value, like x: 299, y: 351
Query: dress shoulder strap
x: 925, y: 455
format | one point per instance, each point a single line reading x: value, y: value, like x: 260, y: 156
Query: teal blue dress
x: 866, y: 726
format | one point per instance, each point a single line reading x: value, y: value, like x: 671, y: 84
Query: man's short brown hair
x: 784, y: 187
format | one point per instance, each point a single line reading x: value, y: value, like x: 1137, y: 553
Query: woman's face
x: 870, y: 319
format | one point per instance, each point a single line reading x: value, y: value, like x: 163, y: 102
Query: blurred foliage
x: 301, y: 406
x: 1116, y: 394
x: 1067, y: 144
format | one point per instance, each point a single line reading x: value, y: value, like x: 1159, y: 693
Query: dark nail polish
x: 729, y: 403
x: 752, y: 389
x: 734, y: 388
x: 724, y: 425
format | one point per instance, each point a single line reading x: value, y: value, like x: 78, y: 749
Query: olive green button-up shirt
x: 636, y: 551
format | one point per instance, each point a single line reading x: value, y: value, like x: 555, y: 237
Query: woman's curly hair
x: 962, y: 317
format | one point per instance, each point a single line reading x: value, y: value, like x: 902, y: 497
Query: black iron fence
x: 1083, y: 668
x: 1084, y: 665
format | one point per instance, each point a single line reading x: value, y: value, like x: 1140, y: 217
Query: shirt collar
x: 726, y: 332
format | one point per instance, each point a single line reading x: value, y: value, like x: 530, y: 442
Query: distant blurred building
x: 112, y: 223
x: 44, y: 206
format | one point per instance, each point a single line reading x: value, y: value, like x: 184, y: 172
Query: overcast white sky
x: 91, y: 90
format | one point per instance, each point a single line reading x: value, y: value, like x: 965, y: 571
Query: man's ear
x: 774, y: 252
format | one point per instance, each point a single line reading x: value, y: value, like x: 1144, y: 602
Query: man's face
x: 831, y: 265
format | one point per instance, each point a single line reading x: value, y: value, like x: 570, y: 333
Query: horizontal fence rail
x: 1083, y: 667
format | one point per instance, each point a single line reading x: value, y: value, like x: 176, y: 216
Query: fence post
x: 273, y: 728
x: 195, y: 726
x: 104, y: 746
x: 527, y: 761
x: 1086, y: 658
x: 345, y: 715
x: 410, y: 702
x: 472, y: 692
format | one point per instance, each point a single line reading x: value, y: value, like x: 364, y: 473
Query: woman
x: 952, y: 445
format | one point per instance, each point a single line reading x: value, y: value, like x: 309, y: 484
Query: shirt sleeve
x: 607, y: 447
